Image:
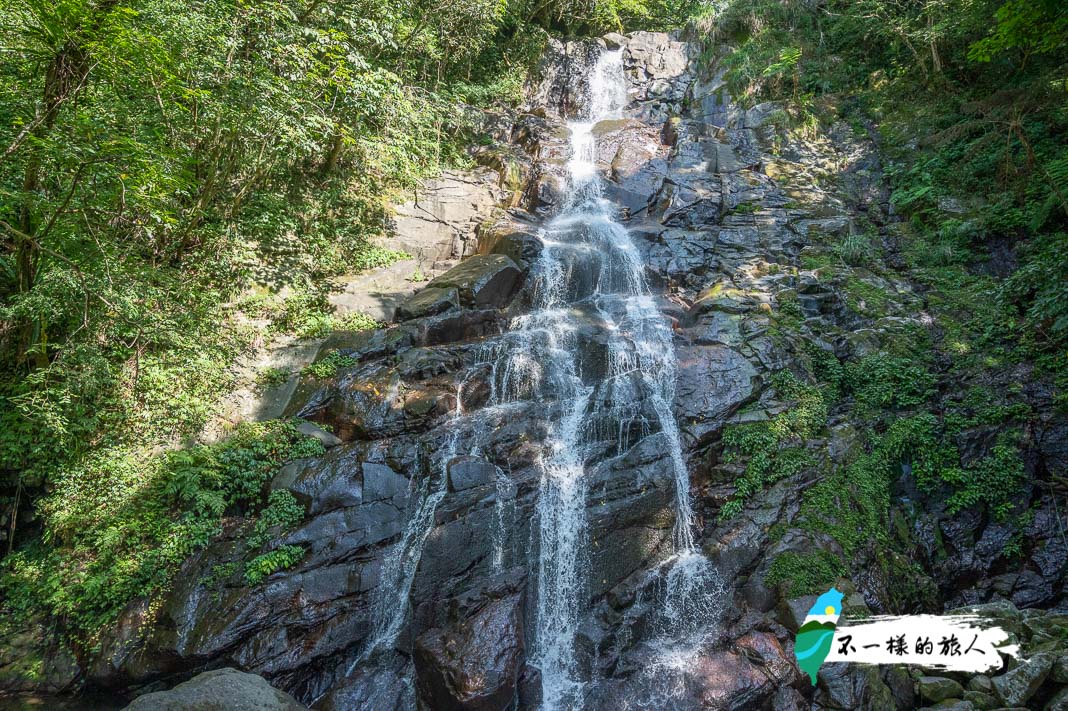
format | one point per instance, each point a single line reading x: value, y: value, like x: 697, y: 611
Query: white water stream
x: 590, y: 265
x: 589, y: 272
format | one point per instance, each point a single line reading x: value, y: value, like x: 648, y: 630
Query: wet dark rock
x: 474, y: 663
x: 483, y: 281
x: 1059, y: 702
x: 730, y: 681
x: 788, y: 699
x: 469, y: 472
x: 381, y: 683
x: 25, y: 666
x: 429, y: 302
x: 713, y: 382
x: 219, y: 690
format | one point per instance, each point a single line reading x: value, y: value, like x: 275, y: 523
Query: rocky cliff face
x: 417, y: 580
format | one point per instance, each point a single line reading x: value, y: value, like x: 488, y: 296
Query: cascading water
x: 589, y: 267
x: 587, y: 283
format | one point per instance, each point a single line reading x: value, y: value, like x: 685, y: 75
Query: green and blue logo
x: 816, y: 635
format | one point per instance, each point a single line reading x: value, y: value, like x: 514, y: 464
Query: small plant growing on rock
x: 271, y: 562
x: 855, y: 250
x: 328, y: 366
x: 282, y: 511
x: 271, y: 377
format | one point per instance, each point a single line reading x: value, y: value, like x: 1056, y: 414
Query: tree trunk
x: 65, y: 77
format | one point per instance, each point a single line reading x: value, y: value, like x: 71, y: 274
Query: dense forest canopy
x: 169, y: 169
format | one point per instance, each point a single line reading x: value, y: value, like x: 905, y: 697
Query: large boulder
x: 473, y: 664
x: 1017, y: 686
x: 219, y: 690
x: 483, y: 281
x: 428, y: 302
x: 713, y: 382
x: 440, y: 221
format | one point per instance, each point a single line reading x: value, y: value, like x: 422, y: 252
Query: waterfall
x: 588, y: 278
x: 389, y: 604
x: 590, y: 267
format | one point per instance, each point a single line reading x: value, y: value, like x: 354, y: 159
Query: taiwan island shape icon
x: 816, y: 635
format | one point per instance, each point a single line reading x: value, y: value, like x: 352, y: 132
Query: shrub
x: 271, y: 562
x: 327, y: 367
x: 805, y: 573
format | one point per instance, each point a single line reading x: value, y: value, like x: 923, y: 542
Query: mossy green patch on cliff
x: 866, y: 298
x: 806, y: 573
x: 884, y: 381
x: 774, y: 449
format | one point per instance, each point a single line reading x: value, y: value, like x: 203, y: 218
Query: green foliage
x: 789, y: 304
x: 321, y: 325
x: 866, y: 298
x: 1030, y: 26
x: 1039, y: 288
x: 993, y: 480
x: 855, y: 250
x: 375, y: 257
x: 805, y: 573
x: 271, y: 562
x: 852, y: 502
x: 121, y: 528
x: 773, y: 450
x: 219, y: 575
x: 891, y: 382
x: 272, y: 377
x: 282, y: 512
x: 305, y: 314
x: 327, y: 367
x: 969, y: 99
x: 307, y: 447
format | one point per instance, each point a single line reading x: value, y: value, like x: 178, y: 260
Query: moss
x: 805, y: 573
x: 865, y: 298
x: 813, y: 260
